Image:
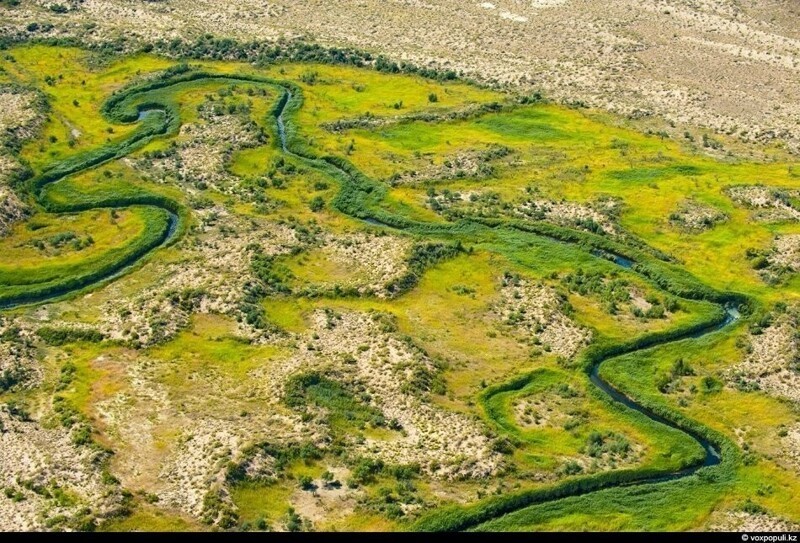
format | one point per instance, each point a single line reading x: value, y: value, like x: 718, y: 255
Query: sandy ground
x: 770, y: 362
x: 19, y: 120
x: 534, y: 311
x: 768, y: 204
x: 740, y: 521
x: 731, y: 66
x: 354, y: 347
x: 47, y: 479
x: 693, y: 217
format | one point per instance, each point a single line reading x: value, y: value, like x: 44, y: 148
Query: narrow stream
x: 712, y: 455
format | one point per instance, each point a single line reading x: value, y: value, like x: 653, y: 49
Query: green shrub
x: 62, y: 336
x: 317, y: 204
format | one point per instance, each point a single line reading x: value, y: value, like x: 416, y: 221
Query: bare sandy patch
x: 179, y: 447
x: 769, y: 204
x: 543, y: 410
x: 535, y: 311
x: 473, y: 163
x: 327, y: 502
x: 608, y: 55
x: 213, y: 275
x: 791, y: 447
x: 203, y: 153
x: 694, y: 217
x: 771, y: 364
x: 19, y: 367
x: 358, y: 348
x: 12, y: 209
x: 373, y: 261
x: 570, y: 214
x: 18, y: 116
x: 740, y: 521
x: 46, y: 476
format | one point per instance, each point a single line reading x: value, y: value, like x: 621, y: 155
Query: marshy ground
x: 319, y: 349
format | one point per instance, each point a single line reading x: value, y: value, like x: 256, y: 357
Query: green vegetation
x: 337, y: 146
x: 25, y: 285
x: 344, y: 411
x: 61, y: 336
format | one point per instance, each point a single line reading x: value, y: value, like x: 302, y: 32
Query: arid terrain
x: 728, y: 66
x: 399, y: 266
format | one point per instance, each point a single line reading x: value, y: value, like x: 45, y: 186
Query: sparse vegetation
x: 331, y: 320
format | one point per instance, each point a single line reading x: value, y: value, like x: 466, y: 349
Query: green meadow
x: 353, y: 136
